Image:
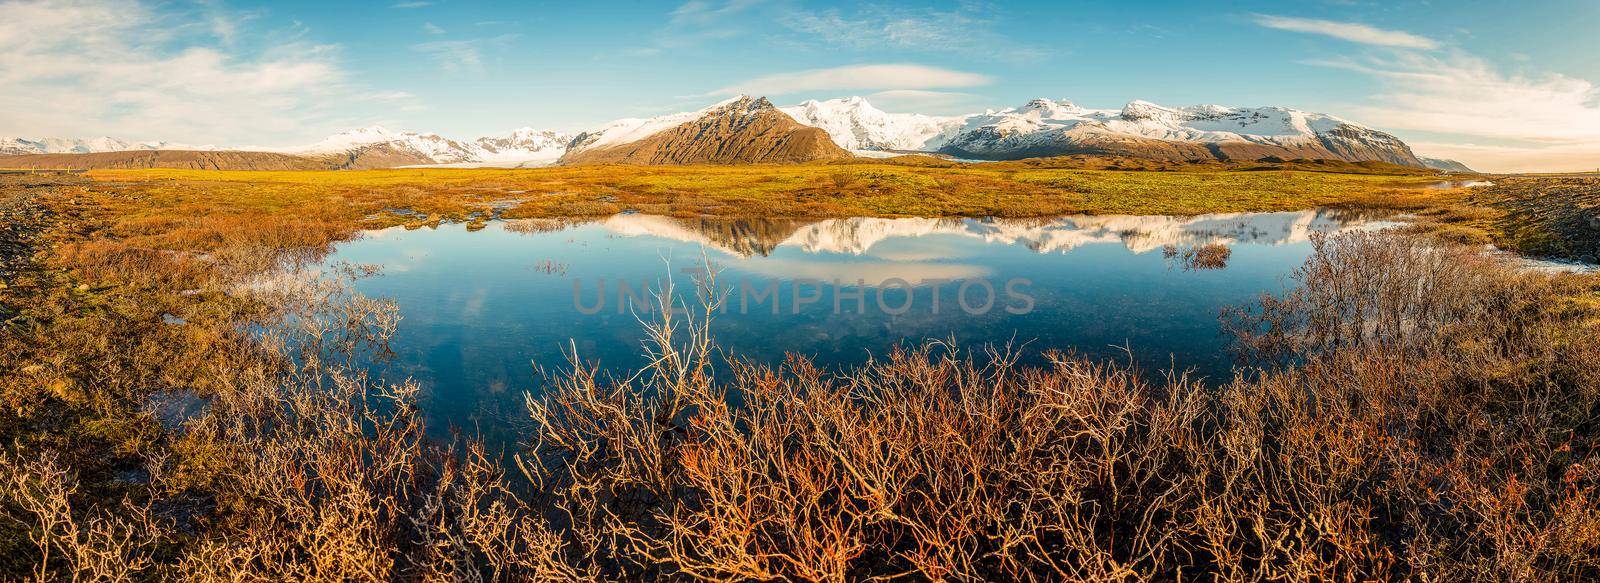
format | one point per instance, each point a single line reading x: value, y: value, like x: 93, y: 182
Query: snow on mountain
x: 633, y: 129
x: 856, y: 125
x: 525, y: 146
x: 14, y: 145
x: 433, y: 147
x: 862, y: 236
x: 1041, y: 127
x: 1047, y: 127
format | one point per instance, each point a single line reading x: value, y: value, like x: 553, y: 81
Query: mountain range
x: 753, y: 130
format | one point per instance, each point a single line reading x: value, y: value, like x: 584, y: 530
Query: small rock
x: 83, y: 287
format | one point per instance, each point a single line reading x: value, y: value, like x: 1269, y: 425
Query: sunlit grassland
x: 817, y: 190
x: 1435, y: 390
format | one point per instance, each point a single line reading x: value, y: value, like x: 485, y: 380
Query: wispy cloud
x: 699, y: 21
x: 461, y: 56
x: 455, y: 56
x: 709, y: 11
x: 432, y: 28
x: 1504, y: 122
x: 969, y: 30
x: 97, y: 67
x: 410, y: 5
x: 857, y: 78
x: 1349, y: 31
x: 1465, y: 95
x: 1471, y: 109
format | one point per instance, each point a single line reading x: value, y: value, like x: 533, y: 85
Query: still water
x: 482, y: 308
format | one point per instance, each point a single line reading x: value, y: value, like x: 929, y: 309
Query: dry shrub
x: 1390, y: 291
x: 841, y: 178
x: 1437, y: 423
x: 539, y: 225
x: 114, y: 543
x: 322, y: 473
x: 1207, y: 256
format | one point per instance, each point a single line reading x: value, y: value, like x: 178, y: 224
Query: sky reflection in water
x: 481, y: 308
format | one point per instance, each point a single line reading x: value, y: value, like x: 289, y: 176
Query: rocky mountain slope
x: 1043, y: 127
x: 743, y: 130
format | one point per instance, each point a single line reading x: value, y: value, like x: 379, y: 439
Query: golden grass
x: 810, y: 190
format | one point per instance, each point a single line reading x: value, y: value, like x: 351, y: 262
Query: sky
x: 1501, y: 86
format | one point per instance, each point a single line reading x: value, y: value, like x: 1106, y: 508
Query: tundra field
x: 1412, y: 409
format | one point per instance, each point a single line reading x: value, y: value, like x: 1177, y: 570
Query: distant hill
x: 189, y: 159
x: 744, y: 130
x: 1446, y: 165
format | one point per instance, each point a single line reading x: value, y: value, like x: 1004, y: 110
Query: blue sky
x: 1507, y: 86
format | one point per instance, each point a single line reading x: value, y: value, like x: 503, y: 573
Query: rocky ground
x: 24, y: 219
x: 1557, y: 216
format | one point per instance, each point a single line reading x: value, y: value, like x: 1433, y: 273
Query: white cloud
x: 99, y: 67
x: 1502, y: 122
x: 432, y: 28
x: 857, y: 77
x: 1465, y: 95
x: 1350, y: 31
x: 1461, y: 95
x: 925, y: 101
x: 410, y: 5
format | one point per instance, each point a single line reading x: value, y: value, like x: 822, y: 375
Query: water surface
x: 482, y: 308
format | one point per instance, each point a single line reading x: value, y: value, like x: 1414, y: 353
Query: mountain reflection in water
x: 478, y: 307
x: 856, y: 236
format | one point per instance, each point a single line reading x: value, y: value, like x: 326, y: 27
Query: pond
x: 482, y: 308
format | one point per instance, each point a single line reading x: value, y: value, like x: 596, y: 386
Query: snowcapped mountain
x: 368, y: 147
x: 1043, y: 127
x: 746, y: 129
x: 525, y: 146
x: 9, y: 145
x: 632, y: 129
x: 856, y: 125
x: 431, y: 147
x: 742, y: 130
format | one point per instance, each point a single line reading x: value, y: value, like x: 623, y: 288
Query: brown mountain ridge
x: 744, y: 131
